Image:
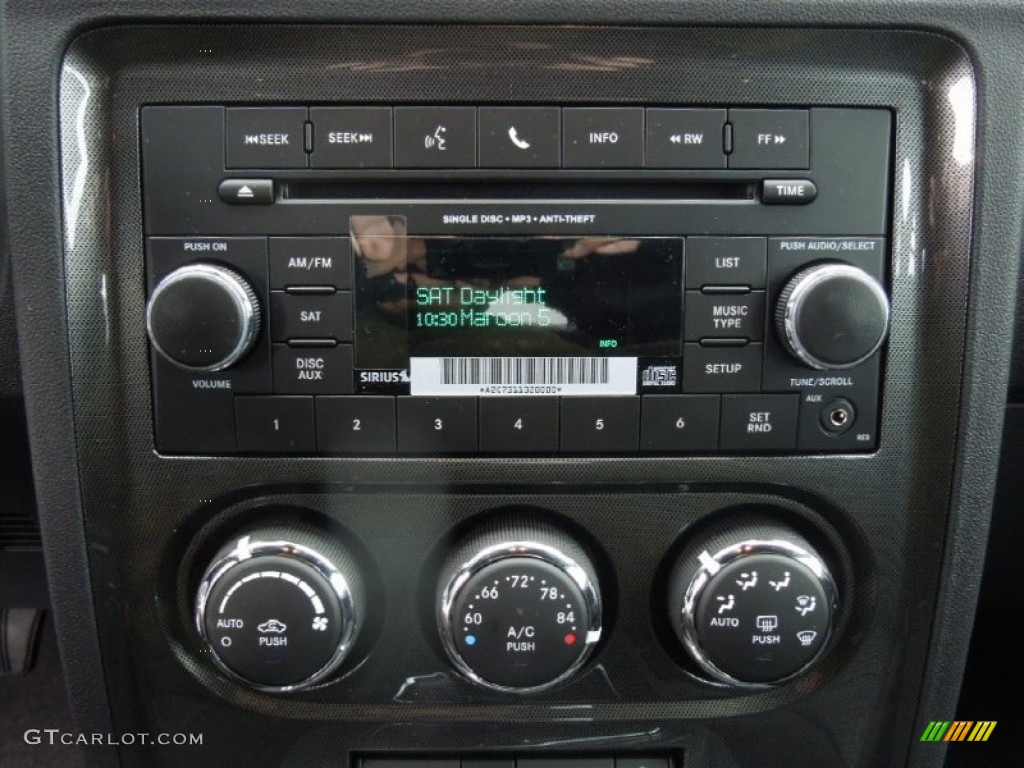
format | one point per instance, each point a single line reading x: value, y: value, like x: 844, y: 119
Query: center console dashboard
x: 489, y: 394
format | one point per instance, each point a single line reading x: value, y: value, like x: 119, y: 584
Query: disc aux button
x: 305, y: 371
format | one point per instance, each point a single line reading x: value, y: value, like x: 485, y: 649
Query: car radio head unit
x: 541, y: 280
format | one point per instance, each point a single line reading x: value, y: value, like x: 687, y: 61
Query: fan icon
x: 320, y: 623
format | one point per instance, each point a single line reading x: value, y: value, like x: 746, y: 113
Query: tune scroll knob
x: 203, y: 317
x: 279, y: 610
x: 519, y: 609
x: 832, y: 316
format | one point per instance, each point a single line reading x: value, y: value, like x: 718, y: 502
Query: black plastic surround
x: 155, y: 519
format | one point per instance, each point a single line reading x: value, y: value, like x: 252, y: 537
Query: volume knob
x: 832, y: 316
x: 203, y: 317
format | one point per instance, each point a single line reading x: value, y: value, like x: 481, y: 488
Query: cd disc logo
x: 436, y: 140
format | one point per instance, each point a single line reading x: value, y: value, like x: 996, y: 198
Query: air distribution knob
x: 519, y: 608
x: 832, y: 316
x: 203, y: 317
x: 752, y: 602
x: 279, y: 609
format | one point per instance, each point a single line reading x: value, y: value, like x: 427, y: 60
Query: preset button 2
x: 358, y: 425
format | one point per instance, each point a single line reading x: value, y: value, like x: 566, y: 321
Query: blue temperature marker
x: 470, y: 639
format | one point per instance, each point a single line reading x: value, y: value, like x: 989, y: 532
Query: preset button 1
x: 269, y: 424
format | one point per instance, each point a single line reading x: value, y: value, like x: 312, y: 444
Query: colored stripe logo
x: 958, y: 730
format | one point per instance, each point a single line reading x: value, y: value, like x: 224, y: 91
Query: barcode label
x: 482, y: 376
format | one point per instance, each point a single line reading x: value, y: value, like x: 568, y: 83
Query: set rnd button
x: 759, y: 422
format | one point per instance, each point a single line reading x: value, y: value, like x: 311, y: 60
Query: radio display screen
x: 500, y: 298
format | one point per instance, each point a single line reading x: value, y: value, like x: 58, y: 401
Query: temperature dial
x: 752, y: 603
x: 280, y: 610
x: 519, y: 608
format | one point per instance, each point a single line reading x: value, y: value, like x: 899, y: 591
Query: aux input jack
x: 838, y: 416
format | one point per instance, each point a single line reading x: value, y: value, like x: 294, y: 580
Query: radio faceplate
x: 625, y: 286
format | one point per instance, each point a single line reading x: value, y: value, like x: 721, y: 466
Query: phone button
x: 519, y: 137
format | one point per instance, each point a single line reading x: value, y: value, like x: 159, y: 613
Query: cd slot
x: 484, y: 190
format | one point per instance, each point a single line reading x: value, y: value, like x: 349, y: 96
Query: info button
x: 603, y: 137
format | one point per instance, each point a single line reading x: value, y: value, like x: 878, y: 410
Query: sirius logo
x: 384, y: 377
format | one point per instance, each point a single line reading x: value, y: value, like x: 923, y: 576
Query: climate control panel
x: 520, y: 603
